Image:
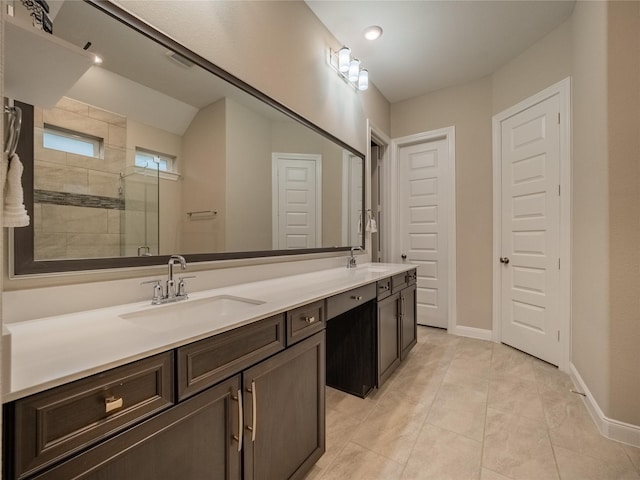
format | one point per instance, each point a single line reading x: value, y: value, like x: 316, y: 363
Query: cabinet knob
x: 356, y: 297
x: 309, y: 320
x: 113, y: 403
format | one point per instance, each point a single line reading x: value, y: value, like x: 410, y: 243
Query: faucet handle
x: 181, y: 286
x: 157, y: 290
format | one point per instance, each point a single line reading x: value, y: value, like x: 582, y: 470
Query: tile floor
x: 460, y: 408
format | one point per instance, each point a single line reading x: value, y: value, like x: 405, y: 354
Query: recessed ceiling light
x: 373, y: 32
x: 97, y: 60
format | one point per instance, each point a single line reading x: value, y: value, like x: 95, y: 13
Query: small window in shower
x: 69, y: 141
x: 149, y: 159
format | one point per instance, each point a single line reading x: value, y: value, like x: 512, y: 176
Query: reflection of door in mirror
x: 297, y: 200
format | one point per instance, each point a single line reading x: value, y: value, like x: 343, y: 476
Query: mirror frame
x: 24, y: 262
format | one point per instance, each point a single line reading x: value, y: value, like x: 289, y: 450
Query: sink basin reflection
x: 203, y: 311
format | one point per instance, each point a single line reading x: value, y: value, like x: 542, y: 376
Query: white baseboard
x: 610, y: 428
x: 472, y: 332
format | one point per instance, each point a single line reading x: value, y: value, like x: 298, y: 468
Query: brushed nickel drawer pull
x: 309, y: 320
x: 356, y: 297
x: 254, y: 408
x: 238, y: 437
x: 112, y: 403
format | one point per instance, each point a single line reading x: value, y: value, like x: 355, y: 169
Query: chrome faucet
x: 171, y: 293
x: 351, y: 261
x: 171, y: 284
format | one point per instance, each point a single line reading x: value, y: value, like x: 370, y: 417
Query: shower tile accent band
x: 77, y: 200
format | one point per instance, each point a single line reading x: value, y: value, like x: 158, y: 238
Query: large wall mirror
x: 156, y: 151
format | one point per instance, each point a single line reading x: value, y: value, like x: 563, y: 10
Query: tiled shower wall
x: 77, y: 204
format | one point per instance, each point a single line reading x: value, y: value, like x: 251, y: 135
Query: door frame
x: 563, y: 90
x: 448, y: 134
x: 387, y: 189
x: 275, y: 157
x: 346, y: 195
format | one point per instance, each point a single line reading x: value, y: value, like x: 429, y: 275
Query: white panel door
x: 423, y: 170
x: 530, y: 242
x: 297, y: 204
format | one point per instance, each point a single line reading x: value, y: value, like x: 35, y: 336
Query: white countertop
x: 48, y: 352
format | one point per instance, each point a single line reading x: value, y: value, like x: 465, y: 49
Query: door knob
x: 504, y: 260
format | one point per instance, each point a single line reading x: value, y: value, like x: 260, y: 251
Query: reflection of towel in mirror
x: 14, y: 215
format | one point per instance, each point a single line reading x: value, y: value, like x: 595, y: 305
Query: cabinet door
x: 388, y: 337
x: 193, y: 440
x: 284, y: 412
x: 408, y: 320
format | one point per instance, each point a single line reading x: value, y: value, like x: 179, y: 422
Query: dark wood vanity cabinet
x: 397, y: 322
x: 246, y: 404
x: 284, y: 412
x: 194, y: 440
x: 237, y: 405
x: 408, y: 320
x: 277, y: 433
x: 47, y: 427
x: 388, y: 337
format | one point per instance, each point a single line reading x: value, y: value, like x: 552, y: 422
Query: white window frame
x: 170, y: 160
x: 61, y: 132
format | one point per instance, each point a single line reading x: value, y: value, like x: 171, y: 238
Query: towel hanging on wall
x: 14, y: 214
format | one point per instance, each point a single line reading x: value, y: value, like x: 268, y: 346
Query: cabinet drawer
x: 207, y: 362
x: 403, y: 280
x: 384, y: 288
x: 305, y: 321
x: 398, y: 282
x: 344, y: 302
x: 50, y: 425
x: 412, y: 277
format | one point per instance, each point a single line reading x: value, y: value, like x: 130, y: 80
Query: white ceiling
x: 429, y: 45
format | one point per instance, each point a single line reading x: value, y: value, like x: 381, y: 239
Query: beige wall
x: 590, y: 217
x: 248, y: 179
x: 468, y: 108
x: 599, y: 48
x: 203, y: 181
x: 280, y: 48
x: 546, y: 62
x: 623, y: 77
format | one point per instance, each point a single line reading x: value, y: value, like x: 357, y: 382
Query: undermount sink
x: 189, y: 312
x: 371, y: 268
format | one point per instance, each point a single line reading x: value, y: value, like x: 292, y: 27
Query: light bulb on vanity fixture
x: 348, y: 68
x: 354, y: 70
x: 344, y: 58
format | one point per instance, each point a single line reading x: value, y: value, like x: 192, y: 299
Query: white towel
x: 14, y: 215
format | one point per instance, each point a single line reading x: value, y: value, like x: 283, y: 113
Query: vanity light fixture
x: 348, y: 68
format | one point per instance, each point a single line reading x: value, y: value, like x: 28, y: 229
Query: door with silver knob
x: 424, y: 214
x: 530, y: 222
